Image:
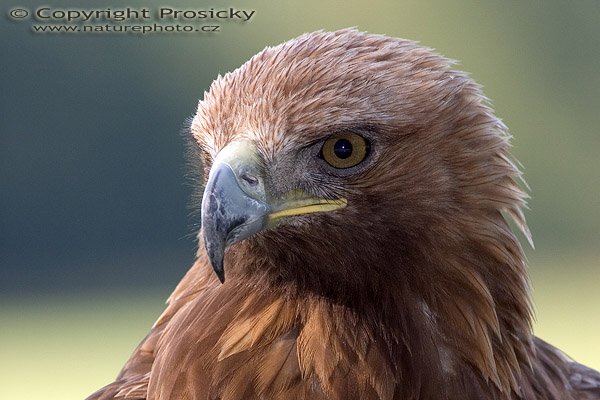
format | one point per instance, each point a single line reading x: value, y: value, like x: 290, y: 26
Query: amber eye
x: 344, y: 150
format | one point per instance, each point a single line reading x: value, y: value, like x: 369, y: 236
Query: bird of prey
x: 356, y: 196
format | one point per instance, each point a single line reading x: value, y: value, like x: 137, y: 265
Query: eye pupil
x: 342, y: 148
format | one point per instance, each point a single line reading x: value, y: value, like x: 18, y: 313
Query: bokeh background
x: 94, y: 221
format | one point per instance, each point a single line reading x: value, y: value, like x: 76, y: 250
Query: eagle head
x: 344, y: 161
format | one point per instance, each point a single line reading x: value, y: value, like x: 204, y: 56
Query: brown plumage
x: 395, y: 276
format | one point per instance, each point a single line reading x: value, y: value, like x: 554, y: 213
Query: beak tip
x: 220, y: 274
x: 216, y: 262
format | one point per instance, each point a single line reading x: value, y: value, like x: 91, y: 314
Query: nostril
x: 249, y: 179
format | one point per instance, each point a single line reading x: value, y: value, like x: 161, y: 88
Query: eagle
x: 355, y: 240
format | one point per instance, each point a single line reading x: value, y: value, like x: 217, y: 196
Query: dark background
x: 94, y: 209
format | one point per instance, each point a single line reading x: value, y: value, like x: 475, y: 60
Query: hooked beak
x: 236, y: 204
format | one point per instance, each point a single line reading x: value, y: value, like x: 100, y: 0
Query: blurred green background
x: 95, y: 230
